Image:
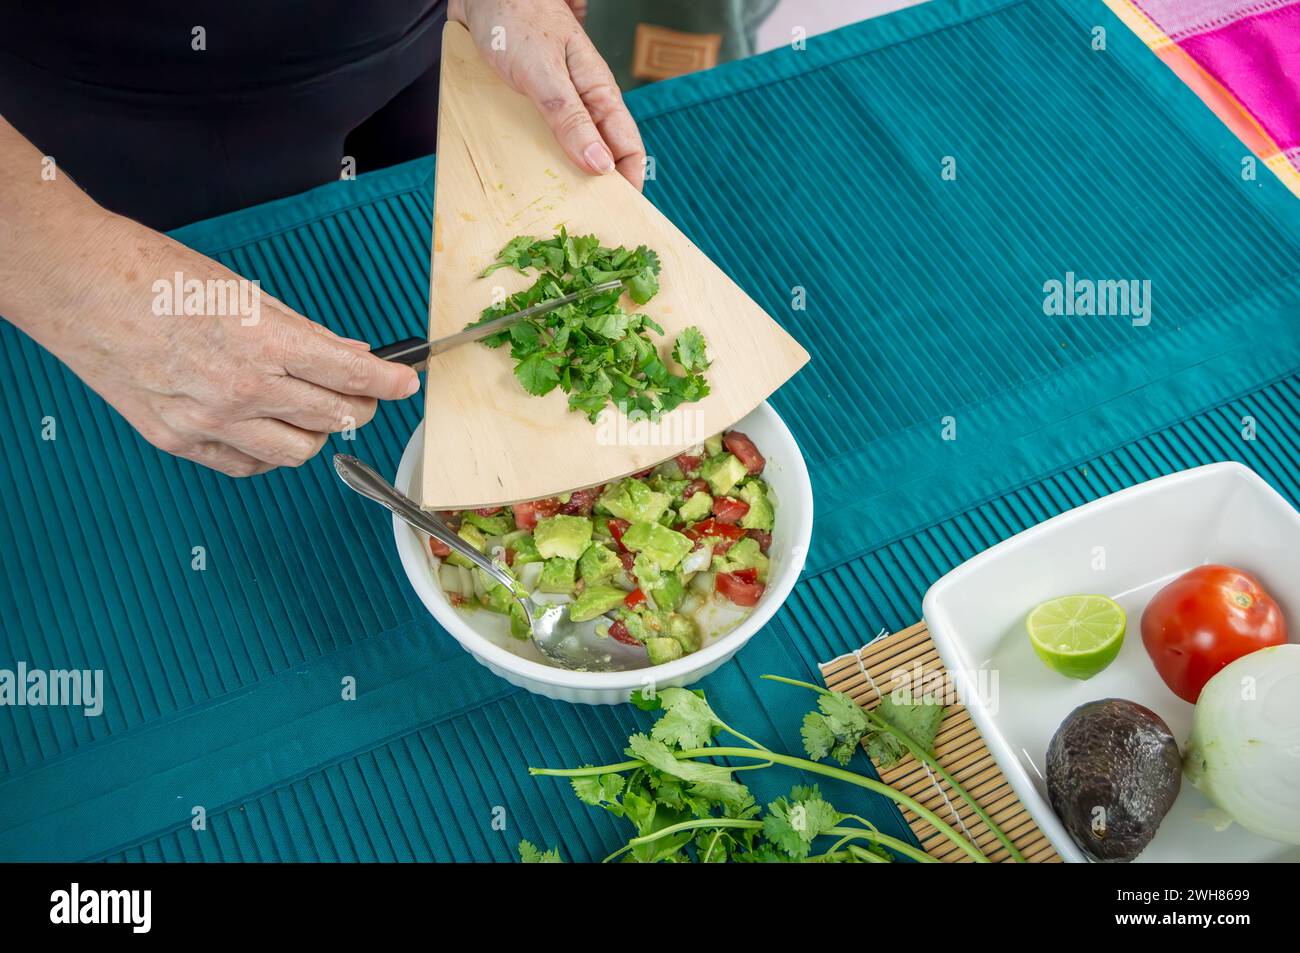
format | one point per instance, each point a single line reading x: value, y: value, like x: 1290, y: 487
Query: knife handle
x: 412, y: 351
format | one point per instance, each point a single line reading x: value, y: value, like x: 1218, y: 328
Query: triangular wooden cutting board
x: 500, y: 174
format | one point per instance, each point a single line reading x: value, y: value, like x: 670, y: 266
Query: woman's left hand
x: 548, y: 58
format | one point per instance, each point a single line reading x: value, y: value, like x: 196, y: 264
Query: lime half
x: 1077, y: 636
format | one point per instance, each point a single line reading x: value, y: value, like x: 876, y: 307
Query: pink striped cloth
x: 1251, y: 48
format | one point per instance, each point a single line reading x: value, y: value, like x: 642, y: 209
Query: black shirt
x: 171, y: 111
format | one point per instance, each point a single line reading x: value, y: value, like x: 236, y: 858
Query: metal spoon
x: 571, y: 645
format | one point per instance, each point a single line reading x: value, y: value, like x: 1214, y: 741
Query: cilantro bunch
x: 685, y: 808
x: 592, y: 349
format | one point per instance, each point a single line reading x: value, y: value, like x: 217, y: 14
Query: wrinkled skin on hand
x: 549, y: 59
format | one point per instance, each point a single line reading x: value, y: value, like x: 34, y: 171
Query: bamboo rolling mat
x: 872, y: 670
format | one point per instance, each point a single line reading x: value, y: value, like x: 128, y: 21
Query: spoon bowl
x: 572, y: 645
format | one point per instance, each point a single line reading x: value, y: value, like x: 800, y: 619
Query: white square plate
x: 1127, y: 546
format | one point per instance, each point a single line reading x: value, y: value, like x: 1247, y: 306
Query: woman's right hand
x: 239, y: 392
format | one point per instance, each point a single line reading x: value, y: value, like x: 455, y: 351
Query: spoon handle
x: 363, y: 478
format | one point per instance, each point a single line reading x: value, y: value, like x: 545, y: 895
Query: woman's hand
x: 549, y: 58
x: 240, y: 392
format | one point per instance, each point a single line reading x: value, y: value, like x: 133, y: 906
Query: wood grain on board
x: 500, y: 174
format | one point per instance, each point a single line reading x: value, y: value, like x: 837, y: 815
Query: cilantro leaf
x: 919, y: 721
x: 689, y: 350
x: 600, y: 790
x: 687, y: 722
x: 538, y: 375
x: 530, y: 854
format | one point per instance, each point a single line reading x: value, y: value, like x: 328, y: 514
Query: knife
x: 417, y: 351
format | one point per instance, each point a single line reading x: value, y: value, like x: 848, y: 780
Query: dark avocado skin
x: 1119, y: 756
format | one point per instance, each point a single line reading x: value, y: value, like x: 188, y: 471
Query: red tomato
x: 1205, y: 619
x: 641, y: 475
x: 745, y: 451
x: 619, y: 633
x: 729, y: 509
x: 617, y: 528
x: 456, y: 599
x: 723, y: 534
x: 627, y: 559
x: 439, y: 548
x: 488, y: 511
x: 527, y: 514
x: 762, y: 537
x: 695, y: 486
x: 580, y: 502
x: 742, y: 588
x: 634, y: 598
x: 688, y: 464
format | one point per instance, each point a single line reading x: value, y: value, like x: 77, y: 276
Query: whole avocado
x: 1113, y: 772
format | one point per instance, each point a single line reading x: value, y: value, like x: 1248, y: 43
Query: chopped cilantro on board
x: 592, y: 349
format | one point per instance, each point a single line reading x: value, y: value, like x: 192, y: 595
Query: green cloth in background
x: 611, y: 24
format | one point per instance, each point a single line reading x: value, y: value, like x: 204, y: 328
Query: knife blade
x: 417, y: 351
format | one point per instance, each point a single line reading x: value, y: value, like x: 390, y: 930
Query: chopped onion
x: 552, y: 598
x: 450, y: 578
x: 529, y: 574
x: 703, y: 583
x: 1244, y: 750
x: 719, y: 615
x: 698, y: 560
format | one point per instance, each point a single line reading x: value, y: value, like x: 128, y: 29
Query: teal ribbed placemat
x: 817, y: 170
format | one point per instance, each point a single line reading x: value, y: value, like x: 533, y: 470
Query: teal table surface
x: 915, y: 181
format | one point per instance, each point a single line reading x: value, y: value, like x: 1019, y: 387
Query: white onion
x: 719, y: 615
x: 1244, y: 750
x: 698, y: 559
x: 703, y: 582
x: 529, y: 574
x: 450, y: 578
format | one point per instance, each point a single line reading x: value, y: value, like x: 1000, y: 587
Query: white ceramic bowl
x: 1128, y: 546
x: 483, y: 634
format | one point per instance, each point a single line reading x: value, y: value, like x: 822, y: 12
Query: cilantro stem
x: 721, y: 823
x: 921, y: 755
x: 852, y: 778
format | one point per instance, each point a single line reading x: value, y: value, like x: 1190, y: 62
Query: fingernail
x: 599, y: 158
x: 414, y: 386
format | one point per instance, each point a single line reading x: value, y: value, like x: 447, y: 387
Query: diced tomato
x: 627, y: 559
x: 741, y: 587
x: 617, y: 528
x: 762, y: 537
x: 724, y: 534
x: 488, y: 511
x: 456, y: 599
x: 642, y: 474
x: 745, y: 451
x: 634, y: 598
x: 510, y: 557
x: 687, y: 463
x: 451, y: 518
x: 695, y: 486
x: 728, y: 509
x: 619, y: 633
x: 439, y: 548
x: 580, y: 502
x: 527, y: 514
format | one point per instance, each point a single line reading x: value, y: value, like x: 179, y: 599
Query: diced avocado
x: 597, y: 564
x: 667, y: 593
x: 713, y: 446
x: 663, y: 650
x: 646, y: 572
x: 634, y: 622
x: 665, y: 547
x: 686, y: 632
x: 760, y: 515
x: 518, y: 621
x: 723, y: 473
x: 523, y: 545
x: 634, y: 501
x: 497, y: 525
x: 476, y: 539
x: 562, y: 536
x: 696, y: 508
x: 594, y: 601
x: 746, y: 554
x: 673, y: 487
x: 498, y: 599
x: 558, y: 575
